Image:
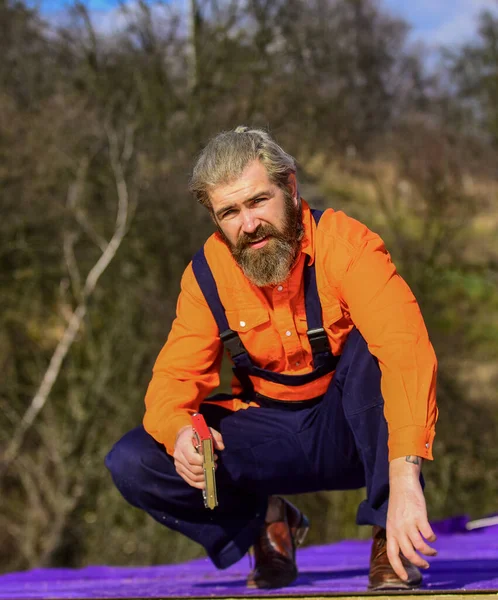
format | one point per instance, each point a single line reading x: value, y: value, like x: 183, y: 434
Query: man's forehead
x: 254, y: 178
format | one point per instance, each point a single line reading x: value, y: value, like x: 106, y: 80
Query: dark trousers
x: 339, y: 443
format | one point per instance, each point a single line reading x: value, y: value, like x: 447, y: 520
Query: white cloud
x: 459, y: 25
x: 116, y: 20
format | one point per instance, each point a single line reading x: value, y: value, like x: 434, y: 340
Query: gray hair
x: 227, y: 154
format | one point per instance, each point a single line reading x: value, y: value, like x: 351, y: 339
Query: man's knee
x: 125, y: 461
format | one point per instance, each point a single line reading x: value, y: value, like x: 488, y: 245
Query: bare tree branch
x: 69, y: 239
x: 73, y: 195
x: 89, y: 230
x: 78, y: 315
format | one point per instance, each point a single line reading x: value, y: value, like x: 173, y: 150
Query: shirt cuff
x: 412, y: 440
x: 167, y: 435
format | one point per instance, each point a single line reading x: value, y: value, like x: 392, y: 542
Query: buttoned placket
x: 286, y: 326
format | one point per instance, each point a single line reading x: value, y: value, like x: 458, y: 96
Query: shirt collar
x: 308, y: 241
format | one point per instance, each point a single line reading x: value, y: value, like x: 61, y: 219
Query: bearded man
x: 333, y: 387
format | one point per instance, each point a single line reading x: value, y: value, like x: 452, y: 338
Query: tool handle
x: 204, y: 445
x: 201, y: 430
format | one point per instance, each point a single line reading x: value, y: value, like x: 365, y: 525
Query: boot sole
x: 272, y: 581
x: 393, y: 587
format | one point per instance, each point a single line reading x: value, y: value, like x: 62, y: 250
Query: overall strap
x: 319, y: 342
x: 229, y: 337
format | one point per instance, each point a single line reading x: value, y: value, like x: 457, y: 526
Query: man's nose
x: 249, y: 222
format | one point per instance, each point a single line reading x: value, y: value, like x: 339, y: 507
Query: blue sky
x: 441, y: 22
x: 434, y: 22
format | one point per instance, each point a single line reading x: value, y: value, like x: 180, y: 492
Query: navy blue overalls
x: 337, y: 441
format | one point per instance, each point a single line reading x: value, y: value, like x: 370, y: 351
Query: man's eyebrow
x: 223, y: 209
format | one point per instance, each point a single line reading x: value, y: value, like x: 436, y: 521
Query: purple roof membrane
x: 466, y: 560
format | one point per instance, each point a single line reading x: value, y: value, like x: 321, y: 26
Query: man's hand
x: 407, y: 523
x: 188, y: 462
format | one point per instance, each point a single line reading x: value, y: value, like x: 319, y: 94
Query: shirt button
x: 297, y: 364
x: 280, y: 288
x: 427, y: 445
x: 288, y: 333
x: 242, y: 323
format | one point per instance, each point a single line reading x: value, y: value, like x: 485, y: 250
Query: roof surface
x: 467, y: 560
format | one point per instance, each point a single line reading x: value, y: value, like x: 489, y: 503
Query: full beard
x: 271, y: 264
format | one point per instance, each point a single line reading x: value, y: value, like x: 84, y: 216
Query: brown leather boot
x: 382, y: 575
x: 275, y: 548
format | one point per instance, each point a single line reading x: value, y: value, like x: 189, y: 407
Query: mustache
x: 263, y: 231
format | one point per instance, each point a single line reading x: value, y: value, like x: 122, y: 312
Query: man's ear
x: 292, y: 185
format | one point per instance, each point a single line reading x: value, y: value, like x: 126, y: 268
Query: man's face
x: 260, y: 223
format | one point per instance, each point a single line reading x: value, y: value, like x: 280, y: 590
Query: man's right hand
x: 188, y: 462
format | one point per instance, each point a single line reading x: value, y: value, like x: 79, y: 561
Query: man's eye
x: 228, y: 213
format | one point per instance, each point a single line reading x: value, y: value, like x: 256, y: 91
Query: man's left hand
x: 407, y: 527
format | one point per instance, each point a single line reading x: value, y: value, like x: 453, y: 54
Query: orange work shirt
x: 358, y: 286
